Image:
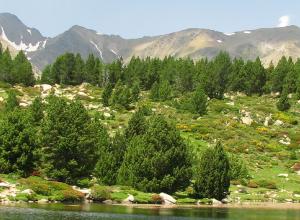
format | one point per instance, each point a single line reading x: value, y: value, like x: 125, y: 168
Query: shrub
x: 213, y: 175
x: 268, y: 184
x: 156, y: 199
x: 252, y: 184
x: 283, y: 103
x: 71, y: 195
x: 157, y: 160
x: 84, y: 183
x: 238, y: 169
x: 100, y: 193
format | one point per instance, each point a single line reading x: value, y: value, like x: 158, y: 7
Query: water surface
x: 116, y: 212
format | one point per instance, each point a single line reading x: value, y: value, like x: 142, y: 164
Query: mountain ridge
x: 267, y: 43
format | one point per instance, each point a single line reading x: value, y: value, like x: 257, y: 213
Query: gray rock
x: 167, y: 199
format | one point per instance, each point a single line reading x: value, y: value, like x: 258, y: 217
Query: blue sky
x: 137, y: 18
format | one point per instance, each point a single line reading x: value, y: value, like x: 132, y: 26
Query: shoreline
x: 247, y: 205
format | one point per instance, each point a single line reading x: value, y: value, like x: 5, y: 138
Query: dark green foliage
x: 213, y: 174
x: 18, y: 143
x: 137, y: 125
x: 199, y: 101
x: 106, y: 94
x: 121, y: 96
x: 238, y: 169
x: 283, y: 103
x: 22, y: 71
x: 16, y: 71
x: 69, y: 140
x: 110, y: 159
x: 135, y: 92
x: 11, y: 102
x: 216, y: 79
x: 6, y: 65
x: 157, y: 160
x: 161, y: 91
x: 100, y: 193
x: 36, y: 110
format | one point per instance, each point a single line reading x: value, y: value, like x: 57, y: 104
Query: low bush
x: 268, y: 184
x: 100, y: 193
x: 252, y: 184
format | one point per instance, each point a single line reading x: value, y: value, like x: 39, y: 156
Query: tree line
x: 59, y: 140
x: 17, y: 70
x: 169, y: 77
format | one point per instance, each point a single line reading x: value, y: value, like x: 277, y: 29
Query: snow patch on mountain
x: 44, y: 43
x: 21, y: 46
x: 247, y: 32
x: 229, y: 34
x: 219, y: 41
x: 97, y: 48
x: 114, y: 52
x: 29, y: 31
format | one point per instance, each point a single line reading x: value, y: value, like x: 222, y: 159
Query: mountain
x: 268, y: 43
x: 18, y: 35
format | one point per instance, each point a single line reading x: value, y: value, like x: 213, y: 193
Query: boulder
x: 296, y: 167
x: 45, y: 87
x: 286, y: 140
x: 129, y: 199
x: 226, y: 200
x: 216, y: 202
x: 278, y: 123
x: 247, y: 120
x: 106, y: 114
x: 28, y: 191
x: 82, y: 94
x: 267, y: 120
x: 283, y: 175
x: 108, y: 202
x: 5, y: 185
x: 167, y: 199
x: 43, y: 201
x: 230, y: 103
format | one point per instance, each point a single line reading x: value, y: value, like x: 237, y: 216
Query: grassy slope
x: 257, y: 144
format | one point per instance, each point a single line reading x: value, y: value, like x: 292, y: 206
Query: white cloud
x: 284, y: 21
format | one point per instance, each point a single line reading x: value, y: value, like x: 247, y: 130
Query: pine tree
x: 36, y: 109
x: 12, y: 102
x: 135, y: 92
x: 106, y: 94
x: 6, y: 67
x: 212, y: 179
x: 199, y: 101
x: 18, y: 143
x: 110, y: 159
x: 283, y: 103
x: 22, y: 70
x: 157, y: 161
x: 69, y: 141
x: 136, y: 125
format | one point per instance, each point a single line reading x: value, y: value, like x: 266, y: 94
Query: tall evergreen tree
x: 213, y: 177
x: 69, y: 141
x: 12, y: 101
x: 199, y: 101
x: 283, y: 103
x: 157, y: 161
x: 106, y: 94
x: 18, y: 143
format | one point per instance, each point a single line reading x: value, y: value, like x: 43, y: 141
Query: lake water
x: 115, y: 212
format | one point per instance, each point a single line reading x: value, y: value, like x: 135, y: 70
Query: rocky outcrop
x: 129, y: 199
x: 167, y: 199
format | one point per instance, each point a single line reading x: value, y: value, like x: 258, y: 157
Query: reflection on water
x: 98, y: 211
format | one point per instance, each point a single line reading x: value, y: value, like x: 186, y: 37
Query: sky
x: 138, y: 18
